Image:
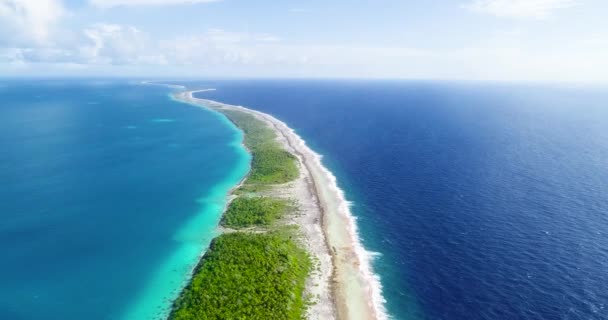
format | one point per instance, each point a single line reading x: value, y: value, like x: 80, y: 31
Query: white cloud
x: 107, y: 48
x: 132, y: 3
x: 28, y: 22
x: 217, y: 46
x: 118, y: 44
x: 122, y: 49
x: 531, y: 9
x: 11, y: 55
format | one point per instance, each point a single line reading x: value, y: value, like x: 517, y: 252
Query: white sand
x: 343, y: 286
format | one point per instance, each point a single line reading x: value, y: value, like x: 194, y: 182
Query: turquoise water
x: 110, y: 193
x: 484, y: 201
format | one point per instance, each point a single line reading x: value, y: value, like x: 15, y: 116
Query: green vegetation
x: 258, y: 211
x: 247, y: 276
x: 271, y: 164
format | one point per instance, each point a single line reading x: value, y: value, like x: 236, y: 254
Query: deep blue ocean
x: 109, y: 192
x: 485, y: 201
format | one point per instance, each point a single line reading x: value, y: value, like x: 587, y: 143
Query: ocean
x: 110, y: 192
x: 477, y: 200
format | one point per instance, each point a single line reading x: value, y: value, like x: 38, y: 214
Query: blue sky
x: 532, y: 40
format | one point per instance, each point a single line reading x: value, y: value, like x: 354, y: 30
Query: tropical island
x: 288, y: 248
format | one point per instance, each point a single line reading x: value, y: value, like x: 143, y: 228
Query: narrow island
x: 289, y: 247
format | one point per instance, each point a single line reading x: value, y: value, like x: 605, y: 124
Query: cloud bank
x: 28, y: 22
x: 33, y: 38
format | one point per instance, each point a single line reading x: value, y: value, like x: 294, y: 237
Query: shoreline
x: 155, y: 299
x: 345, y: 286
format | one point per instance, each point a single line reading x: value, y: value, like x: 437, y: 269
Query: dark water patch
x: 487, y: 201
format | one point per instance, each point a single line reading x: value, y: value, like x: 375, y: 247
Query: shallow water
x: 483, y: 201
x: 110, y: 192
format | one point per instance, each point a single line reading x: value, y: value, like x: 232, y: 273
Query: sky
x: 505, y: 40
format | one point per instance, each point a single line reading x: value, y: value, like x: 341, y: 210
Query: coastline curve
x: 357, y: 291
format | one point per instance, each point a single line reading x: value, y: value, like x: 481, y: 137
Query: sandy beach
x: 343, y: 286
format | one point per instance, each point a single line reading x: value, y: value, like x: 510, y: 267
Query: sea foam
x: 366, y: 275
x: 365, y: 257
